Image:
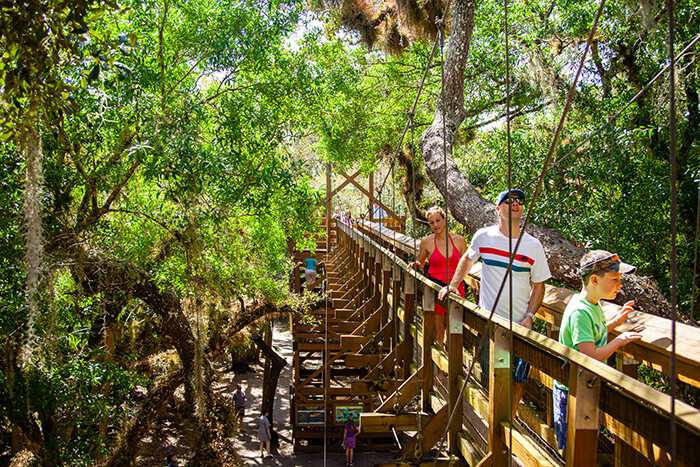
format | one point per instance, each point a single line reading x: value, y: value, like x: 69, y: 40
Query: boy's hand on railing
x: 627, y: 337
x: 621, y: 316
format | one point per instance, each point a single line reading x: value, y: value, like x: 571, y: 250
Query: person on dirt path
x: 264, y: 433
x: 239, y: 406
x: 171, y: 460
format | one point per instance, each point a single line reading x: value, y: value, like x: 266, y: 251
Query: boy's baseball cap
x: 601, y: 260
x: 504, y: 194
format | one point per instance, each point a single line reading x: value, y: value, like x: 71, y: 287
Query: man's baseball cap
x: 601, y: 260
x: 516, y: 191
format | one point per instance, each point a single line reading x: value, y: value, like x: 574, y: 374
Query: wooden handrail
x: 654, y: 347
x: 622, y: 398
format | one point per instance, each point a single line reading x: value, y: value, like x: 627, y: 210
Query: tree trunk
x: 468, y: 206
x: 267, y: 372
x: 154, y: 404
x: 277, y: 364
x: 104, y: 275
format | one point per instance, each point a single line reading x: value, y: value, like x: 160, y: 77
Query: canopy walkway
x: 370, y: 351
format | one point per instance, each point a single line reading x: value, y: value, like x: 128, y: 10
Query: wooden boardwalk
x: 370, y: 351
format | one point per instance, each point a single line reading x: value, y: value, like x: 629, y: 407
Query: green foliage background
x: 188, y: 138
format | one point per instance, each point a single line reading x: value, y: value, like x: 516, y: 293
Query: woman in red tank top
x: 432, y: 250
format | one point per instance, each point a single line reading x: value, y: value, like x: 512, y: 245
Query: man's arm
x: 463, y: 268
x: 536, y: 297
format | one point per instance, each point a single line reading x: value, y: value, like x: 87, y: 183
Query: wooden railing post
x: 428, y: 340
x: 409, y: 307
x: 386, y: 285
x: 583, y: 417
x: 455, y: 371
x: 499, y: 392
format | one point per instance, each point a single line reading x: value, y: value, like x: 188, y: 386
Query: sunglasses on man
x: 510, y: 200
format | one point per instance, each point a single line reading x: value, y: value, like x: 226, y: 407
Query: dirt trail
x: 247, y: 443
x: 170, y: 434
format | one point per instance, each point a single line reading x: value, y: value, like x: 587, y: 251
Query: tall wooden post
x: 328, y: 208
x: 455, y: 347
x: 499, y: 392
x: 386, y: 287
x: 582, y: 435
x: 409, y: 306
x: 370, y: 215
x: 428, y: 340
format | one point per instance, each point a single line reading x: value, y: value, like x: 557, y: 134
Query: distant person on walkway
x: 239, y: 406
x: 378, y: 213
x: 349, y: 439
x: 348, y: 218
x: 171, y: 460
x: 441, y: 270
x: 583, y: 325
x: 310, y: 272
x: 337, y: 215
x: 530, y: 270
x: 264, y: 433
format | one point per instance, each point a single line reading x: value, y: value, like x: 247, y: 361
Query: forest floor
x: 170, y: 434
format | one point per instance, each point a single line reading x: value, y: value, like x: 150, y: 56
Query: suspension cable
x: 510, y: 238
x: 674, y: 215
x: 611, y: 154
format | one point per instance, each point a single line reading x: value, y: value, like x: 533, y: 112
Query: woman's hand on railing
x: 445, y: 290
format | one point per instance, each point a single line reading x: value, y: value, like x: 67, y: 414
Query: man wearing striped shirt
x: 530, y: 271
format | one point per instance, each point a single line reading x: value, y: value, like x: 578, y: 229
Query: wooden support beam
x: 499, y: 392
x: 409, y: 310
x: 352, y: 343
x: 403, y: 395
x: 383, y: 422
x: 430, y: 434
x: 379, y: 339
x: 345, y: 183
x: 582, y: 435
x: 369, y: 325
x: 361, y: 360
x: 347, y: 327
x: 428, y: 340
x: 487, y: 461
x: 340, y: 302
x: 386, y: 365
x: 317, y: 347
x: 320, y: 391
x: 455, y: 373
x: 528, y: 452
x: 372, y: 387
x: 467, y: 449
x: 318, y: 371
